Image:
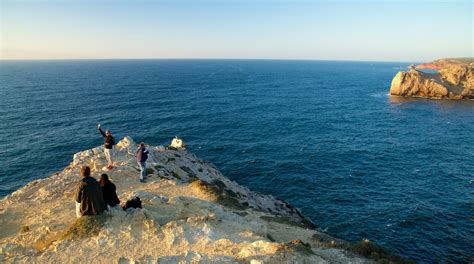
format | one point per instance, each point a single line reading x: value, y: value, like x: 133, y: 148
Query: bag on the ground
x: 135, y: 202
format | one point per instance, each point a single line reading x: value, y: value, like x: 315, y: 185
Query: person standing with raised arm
x: 109, y: 142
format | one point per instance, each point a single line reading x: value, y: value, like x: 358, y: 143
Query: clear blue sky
x: 416, y: 30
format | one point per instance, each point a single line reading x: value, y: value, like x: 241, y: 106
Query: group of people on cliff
x: 93, y: 197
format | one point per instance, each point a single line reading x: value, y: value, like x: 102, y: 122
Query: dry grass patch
x: 216, y: 190
x: 297, y: 246
x: 86, y: 226
x: 363, y: 248
x: 287, y: 221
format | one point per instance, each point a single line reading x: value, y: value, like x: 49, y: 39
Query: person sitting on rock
x: 109, y: 142
x: 108, y: 190
x: 89, y: 198
x: 141, y: 156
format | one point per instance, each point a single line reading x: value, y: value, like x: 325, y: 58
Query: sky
x: 368, y: 30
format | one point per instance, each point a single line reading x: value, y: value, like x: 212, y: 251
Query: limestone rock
x: 177, y: 143
x: 454, y: 80
x: 191, y: 214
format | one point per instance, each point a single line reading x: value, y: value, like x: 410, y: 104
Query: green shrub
x: 188, y: 171
x: 176, y: 175
x: 285, y: 220
x: 221, y: 196
x: 270, y: 238
x: 227, y: 200
x: 192, y: 178
x: 149, y: 171
x: 86, y: 226
x: 25, y: 229
x: 363, y: 248
x: 373, y: 251
x: 297, y: 246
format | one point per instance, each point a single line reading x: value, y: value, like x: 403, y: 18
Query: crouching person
x: 89, y: 198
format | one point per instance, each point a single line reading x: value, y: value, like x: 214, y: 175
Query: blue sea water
x: 323, y: 135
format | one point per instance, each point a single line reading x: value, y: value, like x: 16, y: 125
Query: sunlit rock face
x: 454, y: 80
x: 191, y: 214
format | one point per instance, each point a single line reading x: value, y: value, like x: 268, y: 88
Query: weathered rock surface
x: 454, y: 80
x: 191, y: 214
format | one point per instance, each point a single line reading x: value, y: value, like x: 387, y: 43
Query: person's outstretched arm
x: 100, y: 130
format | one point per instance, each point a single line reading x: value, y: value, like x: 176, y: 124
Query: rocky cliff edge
x: 191, y: 214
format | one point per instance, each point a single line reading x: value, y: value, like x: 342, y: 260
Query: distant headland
x: 453, y: 79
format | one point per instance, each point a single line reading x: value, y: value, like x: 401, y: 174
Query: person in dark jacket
x: 89, y: 198
x: 109, y: 142
x: 108, y: 190
x: 141, y: 156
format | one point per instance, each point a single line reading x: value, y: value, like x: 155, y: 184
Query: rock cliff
x: 191, y: 214
x: 454, y: 80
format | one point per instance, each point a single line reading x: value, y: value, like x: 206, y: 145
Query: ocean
x: 323, y: 135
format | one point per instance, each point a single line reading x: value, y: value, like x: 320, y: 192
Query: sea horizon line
x: 208, y: 59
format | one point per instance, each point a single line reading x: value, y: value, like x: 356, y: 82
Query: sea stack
x: 454, y: 80
x: 191, y: 214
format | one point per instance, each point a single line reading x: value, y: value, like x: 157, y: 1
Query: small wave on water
x: 380, y: 95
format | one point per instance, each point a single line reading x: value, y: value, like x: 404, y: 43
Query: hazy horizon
x: 210, y: 59
x: 402, y: 31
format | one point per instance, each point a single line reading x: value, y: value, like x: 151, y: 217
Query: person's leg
x: 143, y: 165
x: 111, y: 154
x: 142, y: 169
x: 78, y: 210
x: 108, y: 157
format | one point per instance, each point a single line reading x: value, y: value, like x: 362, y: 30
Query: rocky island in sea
x: 454, y: 79
x: 191, y: 214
